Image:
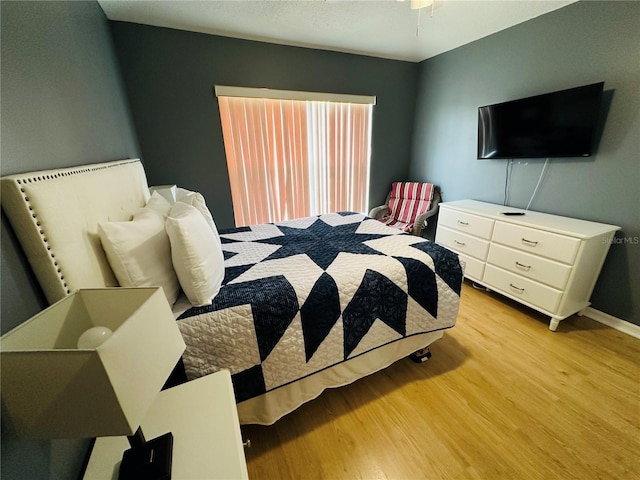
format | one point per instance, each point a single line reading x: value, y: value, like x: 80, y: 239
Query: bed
x: 302, y: 305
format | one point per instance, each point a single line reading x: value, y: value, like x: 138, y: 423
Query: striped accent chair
x: 408, y: 206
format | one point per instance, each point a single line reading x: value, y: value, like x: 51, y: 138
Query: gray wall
x: 62, y: 105
x: 583, y: 43
x: 170, y: 75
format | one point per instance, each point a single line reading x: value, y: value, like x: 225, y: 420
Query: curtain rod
x: 250, y: 92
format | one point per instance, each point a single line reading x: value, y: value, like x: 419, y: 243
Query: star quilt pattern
x: 303, y: 295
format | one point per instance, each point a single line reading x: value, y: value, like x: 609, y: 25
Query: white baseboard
x: 613, y: 322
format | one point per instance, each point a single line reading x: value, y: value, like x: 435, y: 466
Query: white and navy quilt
x: 303, y: 295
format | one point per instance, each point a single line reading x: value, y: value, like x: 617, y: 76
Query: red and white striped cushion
x: 408, y: 200
x: 392, y: 222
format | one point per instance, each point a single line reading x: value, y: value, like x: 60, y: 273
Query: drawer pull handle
x: 517, y: 289
x: 529, y: 242
x: 462, y: 244
x: 466, y: 224
x: 523, y: 266
x: 247, y: 444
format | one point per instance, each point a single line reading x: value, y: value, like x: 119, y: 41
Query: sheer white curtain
x: 339, y: 151
x: 294, y: 158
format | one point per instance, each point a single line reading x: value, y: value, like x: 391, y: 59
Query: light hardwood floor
x: 501, y: 398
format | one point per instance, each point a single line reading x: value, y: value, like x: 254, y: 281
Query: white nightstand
x: 202, y: 416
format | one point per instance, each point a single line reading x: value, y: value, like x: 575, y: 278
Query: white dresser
x: 547, y: 262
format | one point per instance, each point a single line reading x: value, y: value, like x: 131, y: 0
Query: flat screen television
x: 557, y: 124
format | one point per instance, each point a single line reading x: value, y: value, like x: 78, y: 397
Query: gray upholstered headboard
x: 55, y: 214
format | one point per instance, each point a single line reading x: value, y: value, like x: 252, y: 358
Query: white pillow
x: 159, y: 204
x: 196, y: 252
x: 139, y: 252
x: 196, y: 200
x: 168, y: 192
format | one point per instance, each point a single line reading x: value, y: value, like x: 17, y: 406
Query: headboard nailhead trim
x: 69, y: 173
x: 21, y: 181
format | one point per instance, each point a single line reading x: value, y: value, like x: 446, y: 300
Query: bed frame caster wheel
x: 421, y: 355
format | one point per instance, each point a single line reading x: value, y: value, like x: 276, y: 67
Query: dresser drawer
x: 462, y: 243
x: 465, y: 222
x: 536, y: 268
x: 537, y: 242
x: 522, y: 289
x: 474, y: 268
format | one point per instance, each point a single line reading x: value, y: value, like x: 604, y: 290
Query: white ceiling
x: 380, y: 28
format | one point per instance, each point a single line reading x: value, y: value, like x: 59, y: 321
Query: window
x: 294, y: 154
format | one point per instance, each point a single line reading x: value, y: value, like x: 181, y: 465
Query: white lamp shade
x: 52, y: 389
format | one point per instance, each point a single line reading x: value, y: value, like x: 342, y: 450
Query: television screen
x: 558, y: 124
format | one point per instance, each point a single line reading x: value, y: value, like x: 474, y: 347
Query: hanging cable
x: 535, y: 191
x: 507, y: 181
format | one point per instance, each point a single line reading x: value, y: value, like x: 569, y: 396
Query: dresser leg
x: 553, y: 324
